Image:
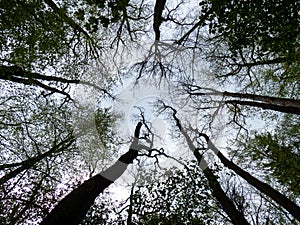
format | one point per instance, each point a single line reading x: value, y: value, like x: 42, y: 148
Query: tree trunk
x: 72, y: 208
x: 228, y: 206
x: 266, y: 102
x: 158, y: 9
x: 266, y: 99
x: 282, y: 200
x: 278, y: 108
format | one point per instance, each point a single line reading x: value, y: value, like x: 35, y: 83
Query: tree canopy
x: 191, y: 108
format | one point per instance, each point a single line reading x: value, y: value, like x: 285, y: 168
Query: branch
x: 201, y: 21
x: 18, y: 75
x: 29, y: 163
x: 71, y: 22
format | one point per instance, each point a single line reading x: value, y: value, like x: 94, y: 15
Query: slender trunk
x: 278, y: 108
x: 228, y: 206
x: 72, y: 208
x: 267, y: 102
x: 282, y: 200
x: 29, y: 163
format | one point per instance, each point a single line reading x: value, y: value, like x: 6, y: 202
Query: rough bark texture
x: 72, y: 208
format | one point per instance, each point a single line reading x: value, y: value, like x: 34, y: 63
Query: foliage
x: 278, y: 153
x: 181, y: 197
x: 42, y: 154
x: 31, y: 34
x: 112, y: 13
x: 272, y: 25
x: 103, y: 211
x: 39, y: 153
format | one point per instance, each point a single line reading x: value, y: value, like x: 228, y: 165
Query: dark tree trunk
x: 278, y: 108
x: 158, y: 9
x: 228, y: 206
x: 72, y: 208
x: 266, y: 99
x: 282, y: 200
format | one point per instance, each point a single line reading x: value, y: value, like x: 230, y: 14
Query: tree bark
x: 266, y: 99
x: 278, y: 108
x: 228, y: 206
x: 282, y: 200
x: 158, y: 9
x: 72, y: 208
x: 285, y: 105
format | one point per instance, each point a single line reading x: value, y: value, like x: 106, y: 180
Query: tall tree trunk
x: 266, y: 102
x: 72, y: 208
x: 266, y: 99
x: 282, y: 200
x: 228, y: 206
x: 158, y: 9
x: 278, y: 108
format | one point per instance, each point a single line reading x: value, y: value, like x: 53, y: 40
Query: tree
x: 285, y: 105
x: 72, y: 208
x: 244, y: 24
x: 50, y: 48
x: 182, y: 197
x: 280, y: 152
x: 289, y: 205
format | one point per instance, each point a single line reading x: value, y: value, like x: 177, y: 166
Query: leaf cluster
x: 272, y: 25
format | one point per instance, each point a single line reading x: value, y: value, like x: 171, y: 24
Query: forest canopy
x: 149, y: 112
